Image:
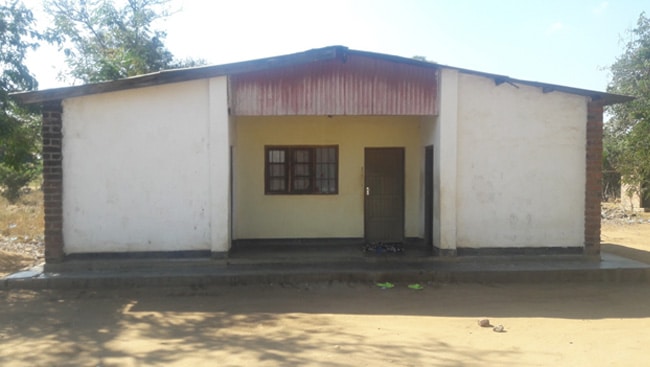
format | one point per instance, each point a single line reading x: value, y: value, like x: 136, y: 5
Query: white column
x: 219, y: 153
x: 447, y: 158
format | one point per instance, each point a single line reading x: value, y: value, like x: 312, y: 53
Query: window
x: 301, y: 170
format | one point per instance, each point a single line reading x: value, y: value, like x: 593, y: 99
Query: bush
x: 12, y: 182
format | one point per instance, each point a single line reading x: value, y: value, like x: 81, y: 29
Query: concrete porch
x: 326, y: 251
x: 308, y: 264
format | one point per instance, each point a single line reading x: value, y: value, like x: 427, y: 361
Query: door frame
x: 428, y: 195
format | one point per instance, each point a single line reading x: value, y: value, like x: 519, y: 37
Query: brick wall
x: 53, y: 181
x: 594, y: 177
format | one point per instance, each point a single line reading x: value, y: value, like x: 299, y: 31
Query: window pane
x: 301, y: 184
x: 276, y: 156
x: 301, y: 156
x: 325, y: 188
x: 325, y: 169
x: 277, y: 170
x: 326, y: 155
x: 276, y: 184
x: 331, y: 172
x: 301, y: 177
x: 302, y: 170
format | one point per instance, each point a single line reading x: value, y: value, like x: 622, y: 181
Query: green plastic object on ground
x: 385, y: 285
x: 416, y: 286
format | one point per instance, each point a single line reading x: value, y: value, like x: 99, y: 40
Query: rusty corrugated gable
x: 353, y: 85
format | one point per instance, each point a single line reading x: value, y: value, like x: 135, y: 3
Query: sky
x: 565, y: 42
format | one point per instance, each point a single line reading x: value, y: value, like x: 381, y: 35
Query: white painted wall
x: 138, y: 166
x: 446, y: 162
x: 520, y: 166
x: 219, y: 126
x: 148, y: 169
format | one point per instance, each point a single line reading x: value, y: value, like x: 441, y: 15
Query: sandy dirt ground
x: 334, y: 325
x: 574, y: 324
x: 632, y: 241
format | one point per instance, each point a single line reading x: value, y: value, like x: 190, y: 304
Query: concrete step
x: 206, y: 272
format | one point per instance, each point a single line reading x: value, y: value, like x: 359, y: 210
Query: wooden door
x: 384, y: 195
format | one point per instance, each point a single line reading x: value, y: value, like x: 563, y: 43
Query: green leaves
x: 19, y: 129
x: 16, y: 37
x: 627, y: 134
x: 102, y: 42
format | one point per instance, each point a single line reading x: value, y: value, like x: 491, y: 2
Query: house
x: 329, y: 145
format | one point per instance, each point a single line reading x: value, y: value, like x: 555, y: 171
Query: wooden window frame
x: 290, y: 175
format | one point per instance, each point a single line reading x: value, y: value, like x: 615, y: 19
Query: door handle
x: 367, y: 191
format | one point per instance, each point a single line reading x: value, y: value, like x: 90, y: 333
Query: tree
x: 627, y: 134
x: 102, y: 42
x: 19, y: 129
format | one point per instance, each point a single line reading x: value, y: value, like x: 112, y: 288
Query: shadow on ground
x: 293, y: 324
x: 105, y: 329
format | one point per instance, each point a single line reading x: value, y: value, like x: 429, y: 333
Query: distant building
x: 635, y: 198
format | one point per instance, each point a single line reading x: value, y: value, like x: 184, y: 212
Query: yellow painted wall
x: 319, y: 216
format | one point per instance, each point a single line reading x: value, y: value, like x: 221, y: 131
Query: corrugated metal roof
x: 340, y: 53
x: 358, y: 85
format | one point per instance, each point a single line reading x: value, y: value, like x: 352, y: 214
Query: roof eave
x: 314, y: 55
x: 602, y: 97
x: 179, y: 75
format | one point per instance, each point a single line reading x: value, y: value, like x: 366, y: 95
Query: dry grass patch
x: 23, y: 219
x: 21, y: 232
